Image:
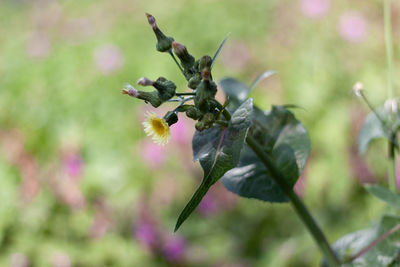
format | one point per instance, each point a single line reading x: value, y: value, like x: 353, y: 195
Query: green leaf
x: 385, y: 195
x: 383, y: 241
x: 261, y: 77
x: 219, y: 50
x: 218, y: 150
x: 373, y: 129
x: 286, y: 140
x: 236, y: 91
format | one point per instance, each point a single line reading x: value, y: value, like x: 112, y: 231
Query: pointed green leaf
x: 261, y: 77
x: 287, y: 142
x: 219, y: 50
x: 385, y: 195
x: 218, y: 150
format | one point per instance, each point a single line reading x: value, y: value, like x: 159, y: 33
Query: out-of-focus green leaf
x: 373, y: 129
x: 236, y: 91
x: 287, y: 142
x: 261, y: 77
x: 218, y: 150
x: 384, y: 252
x: 385, y: 195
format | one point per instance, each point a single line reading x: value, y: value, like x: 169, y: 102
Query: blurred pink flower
x: 315, y: 8
x: 207, y: 205
x: 300, y: 186
x: 108, y: 59
x: 39, y: 45
x: 236, y: 55
x: 73, y: 165
x: 153, y: 155
x: 76, y: 30
x: 174, y: 248
x: 60, y: 259
x: 352, y: 27
x: 182, y: 131
x: 146, y: 234
x: 19, y: 260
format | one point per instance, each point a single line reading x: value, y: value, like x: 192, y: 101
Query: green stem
x: 183, y: 94
x: 389, y: 46
x: 298, y: 205
x: 392, y: 163
x: 177, y: 63
x: 389, y: 58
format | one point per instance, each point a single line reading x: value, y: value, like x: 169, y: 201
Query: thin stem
x: 389, y: 58
x: 392, y: 163
x: 372, y: 108
x: 177, y: 63
x: 183, y: 94
x: 389, y: 46
x: 298, y: 205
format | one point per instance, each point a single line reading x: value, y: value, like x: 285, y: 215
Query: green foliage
x: 384, y: 194
x: 381, y: 240
x: 218, y: 150
x: 286, y: 140
x: 377, y: 125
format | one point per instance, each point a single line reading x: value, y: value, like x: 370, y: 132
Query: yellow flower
x: 157, y: 128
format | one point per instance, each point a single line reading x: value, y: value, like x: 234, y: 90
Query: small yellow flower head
x: 157, y: 128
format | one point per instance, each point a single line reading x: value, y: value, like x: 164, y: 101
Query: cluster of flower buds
x: 206, y: 110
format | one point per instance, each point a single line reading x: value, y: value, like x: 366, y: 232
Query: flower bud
x: 130, y: 90
x: 205, y: 74
x: 193, y: 113
x: 187, y: 60
x: 194, y: 81
x: 171, y: 118
x: 165, y: 88
x: 205, y: 62
x: 149, y: 97
x: 145, y: 82
x: 357, y: 89
x: 391, y: 106
x: 163, y: 42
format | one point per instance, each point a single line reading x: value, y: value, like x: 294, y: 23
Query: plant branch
x: 298, y: 205
x: 177, y: 63
x: 374, y: 243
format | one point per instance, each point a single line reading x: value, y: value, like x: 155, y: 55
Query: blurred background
x: 81, y: 185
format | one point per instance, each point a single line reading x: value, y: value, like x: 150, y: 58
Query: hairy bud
x: 187, y: 60
x: 145, y: 82
x: 357, y: 89
x: 171, y: 118
x: 163, y: 42
x: 391, y: 106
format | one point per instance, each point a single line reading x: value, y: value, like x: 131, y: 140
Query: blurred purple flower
x: 108, y: 59
x: 315, y: 8
x: 146, y: 234
x: 207, y: 205
x: 73, y: 165
x: 39, y: 45
x: 152, y: 154
x: 352, y: 27
x: 174, y: 248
